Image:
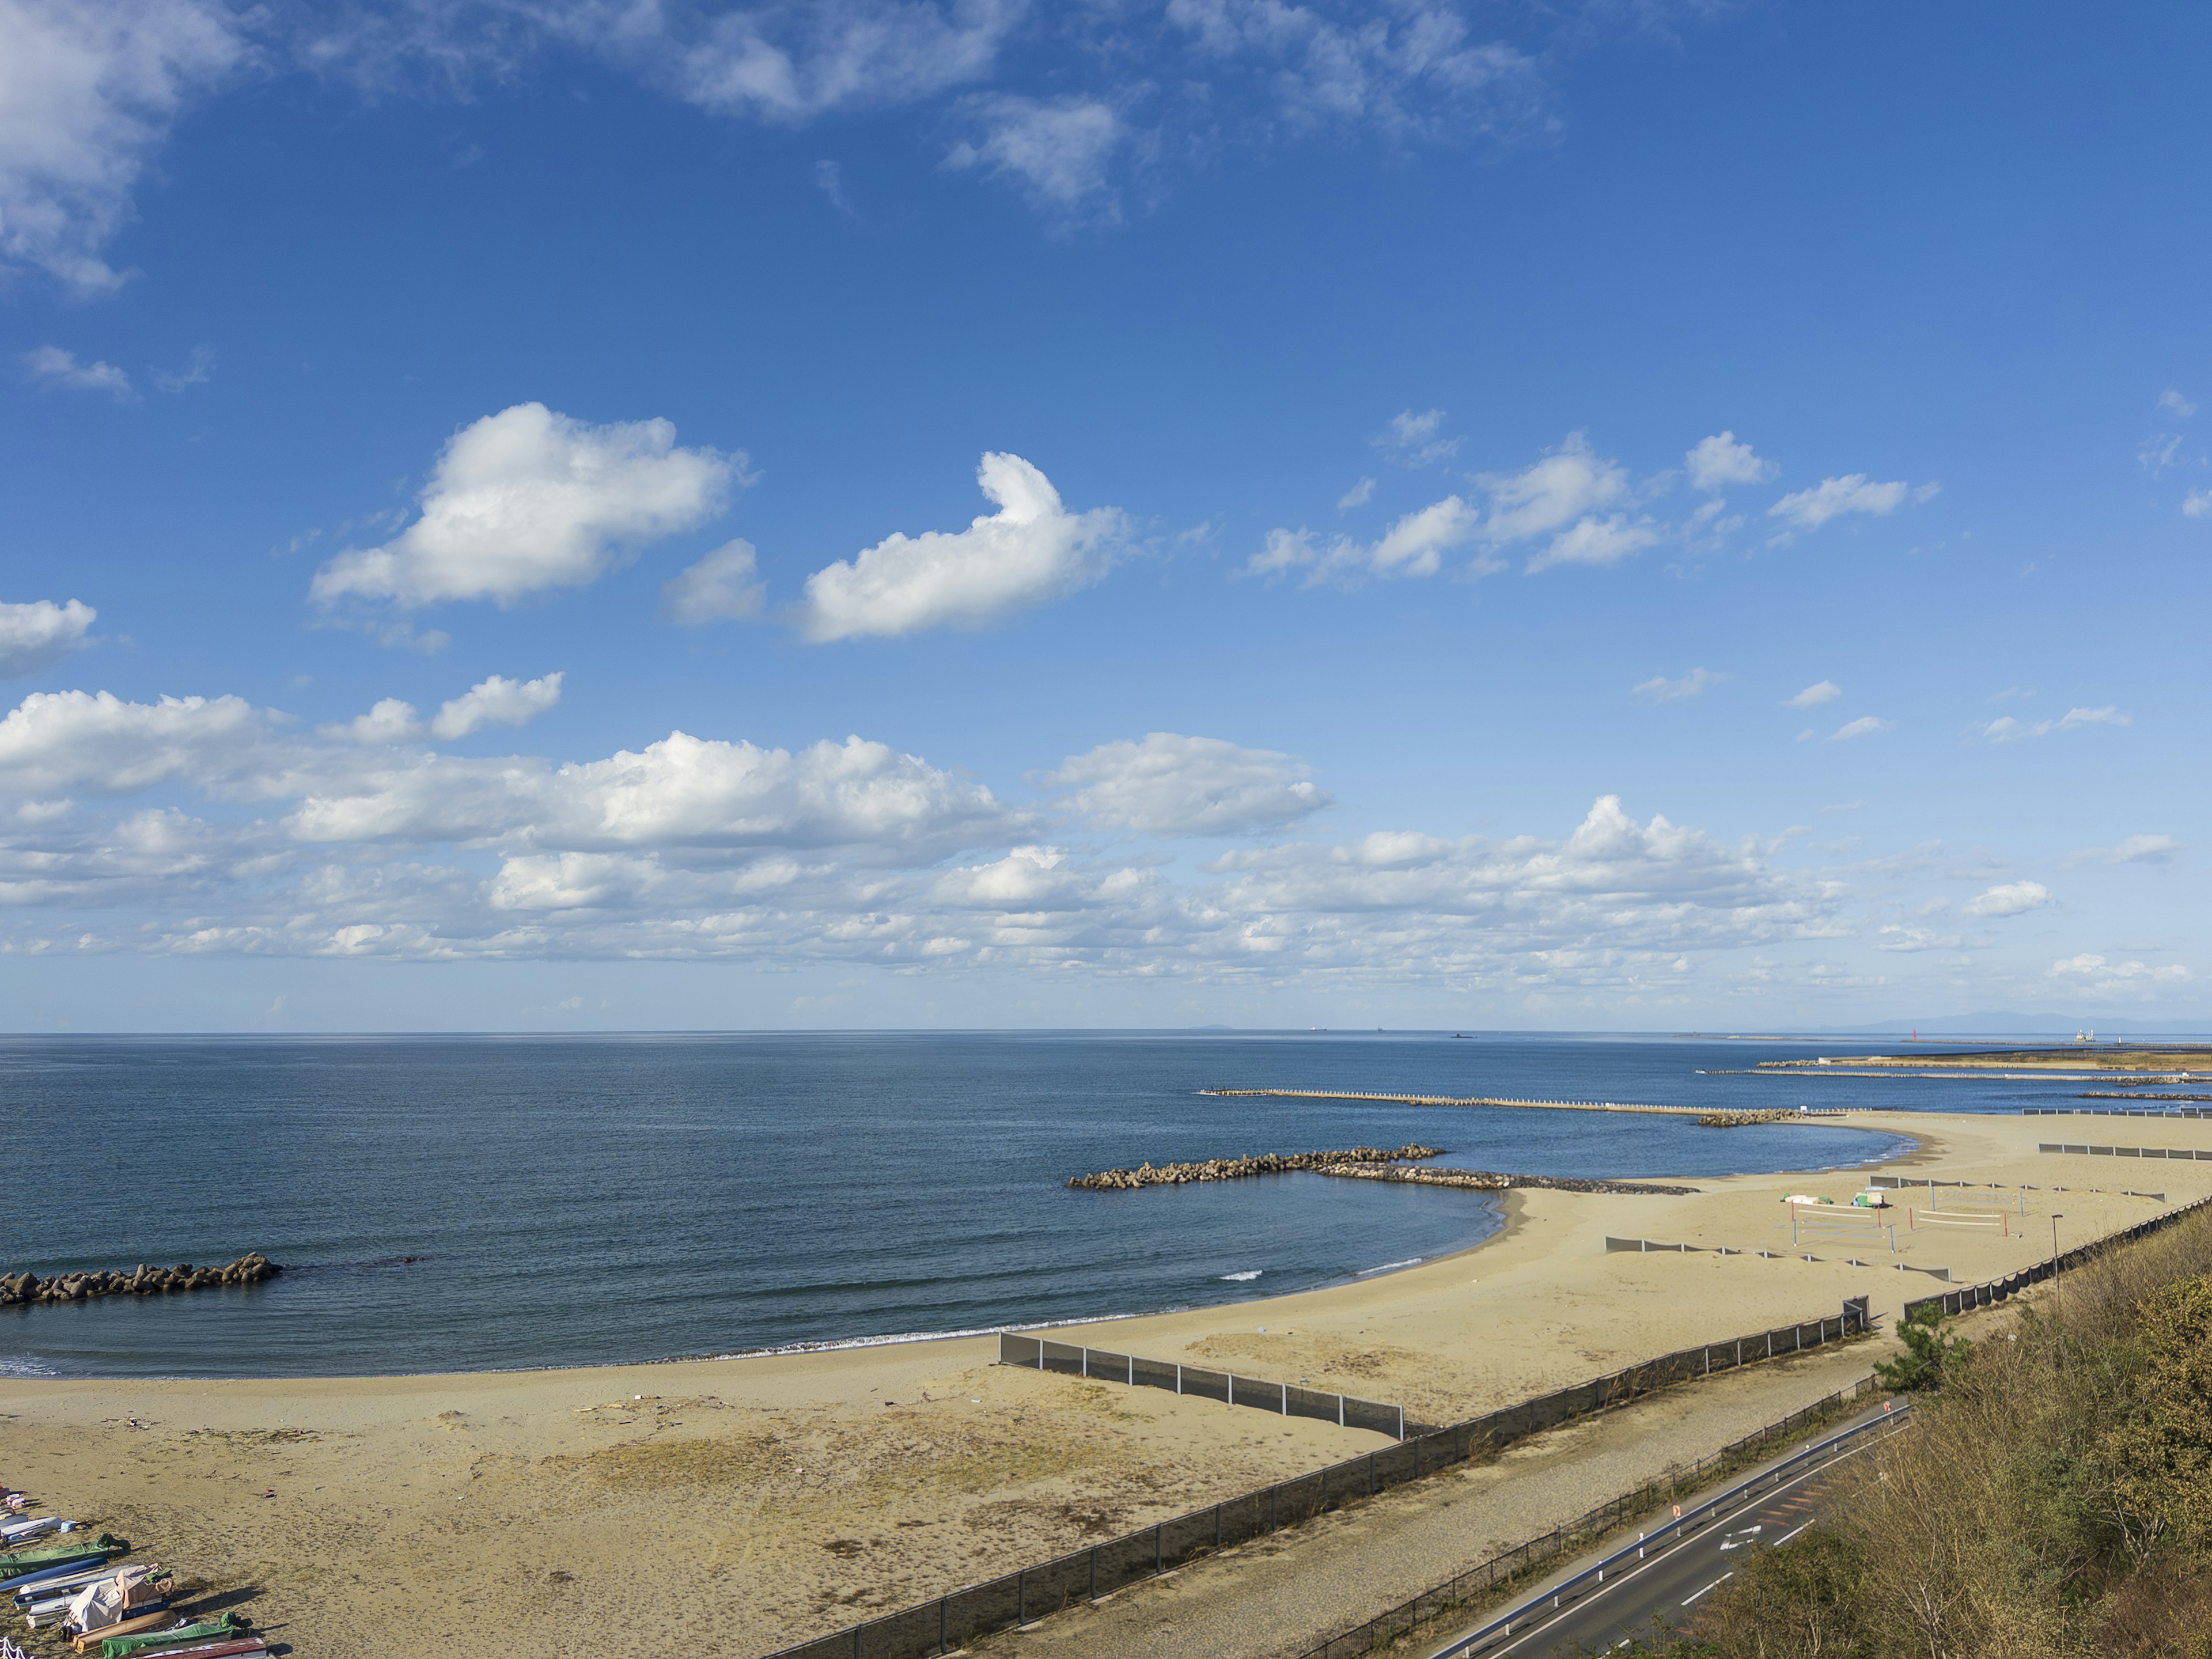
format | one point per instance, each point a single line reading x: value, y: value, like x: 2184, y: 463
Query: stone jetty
x: 1236, y: 1168
x: 1490, y: 1181
x: 1741, y: 1120
x: 252, y: 1268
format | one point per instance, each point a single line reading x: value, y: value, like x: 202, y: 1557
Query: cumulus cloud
x: 2174, y: 403
x: 1718, y: 462
x: 1865, y: 726
x: 1358, y: 495
x: 51, y: 366
x: 1660, y: 689
x: 2012, y: 899
x: 88, y: 89
x: 246, y: 834
x: 1567, y: 483
x: 2133, y: 849
x: 1814, y: 696
x: 1057, y: 152
x: 1595, y: 541
x: 1032, y: 550
x: 724, y: 586
x: 528, y: 500
x: 2006, y: 729
x: 37, y: 635
x: 496, y: 702
x: 1171, y: 785
x: 1413, y: 546
x: 1809, y: 509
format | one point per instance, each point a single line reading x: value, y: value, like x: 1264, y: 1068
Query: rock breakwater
x: 1236, y: 1168
x: 1491, y: 1181
x: 252, y: 1268
x: 1743, y: 1119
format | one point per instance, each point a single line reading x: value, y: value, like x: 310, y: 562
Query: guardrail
x: 1592, y: 1578
x: 1284, y: 1399
x: 1997, y: 1290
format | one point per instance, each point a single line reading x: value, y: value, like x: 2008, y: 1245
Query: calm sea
x: 587, y: 1199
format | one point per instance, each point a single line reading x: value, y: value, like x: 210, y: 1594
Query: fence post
x: 1132, y: 1371
x: 1232, y: 1387
x: 1086, y: 1365
x: 1285, y: 1388
x: 1339, y: 1411
x: 1178, y: 1376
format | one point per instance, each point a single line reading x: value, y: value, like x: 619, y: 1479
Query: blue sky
x: 568, y: 515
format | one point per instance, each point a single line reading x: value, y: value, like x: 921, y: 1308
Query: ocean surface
x: 593, y: 1199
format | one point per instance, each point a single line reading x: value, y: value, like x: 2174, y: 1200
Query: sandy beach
x: 747, y: 1503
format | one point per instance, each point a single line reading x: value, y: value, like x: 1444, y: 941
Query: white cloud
x: 786, y: 63
x: 1814, y: 696
x: 88, y: 89
x: 1414, y: 546
x: 51, y: 366
x: 496, y: 702
x: 1171, y: 785
x: 721, y: 588
x: 35, y: 636
x: 528, y: 500
x: 2197, y: 503
x: 1865, y: 726
x: 1411, y: 71
x: 60, y: 742
x: 390, y: 720
x: 1415, y: 439
x: 1660, y: 689
x: 1894, y: 938
x: 2134, y: 850
x: 1030, y: 552
x: 1058, y: 152
x: 1716, y: 462
x: 2012, y: 899
x: 1809, y: 509
x: 1358, y: 495
x: 1595, y: 541
x: 2108, y: 974
x: 1570, y: 481
x: 2006, y: 729
x: 2173, y: 403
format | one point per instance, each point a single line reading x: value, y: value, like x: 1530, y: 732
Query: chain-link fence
x: 1284, y: 1399
x: 953, y: 1620
x: 1997, y: 1290
x: 1481, y: 1581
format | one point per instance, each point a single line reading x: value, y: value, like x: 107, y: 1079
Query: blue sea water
x: 588, y: 1200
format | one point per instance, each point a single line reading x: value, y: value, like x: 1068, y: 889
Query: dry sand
x: 743, y: 1505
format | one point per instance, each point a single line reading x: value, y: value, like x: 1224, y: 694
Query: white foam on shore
x: 25, y: 1368
x: 1388, y: 1266
x: 1239, y: 1279
x: 903, y: 1336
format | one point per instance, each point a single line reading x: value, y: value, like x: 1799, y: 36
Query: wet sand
x: 747, y: 1503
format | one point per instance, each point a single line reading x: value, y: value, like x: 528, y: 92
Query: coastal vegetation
x: 2053, y: 1499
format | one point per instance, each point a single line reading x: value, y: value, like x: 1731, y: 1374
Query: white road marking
x: 1716, y: 1584
x: 1787, y: 1536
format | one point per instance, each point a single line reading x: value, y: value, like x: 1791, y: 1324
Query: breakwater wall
x: 1491, y: 1181
x: 1236, y: 1168
x: 1702, y: 1114
x: 252, y: 1268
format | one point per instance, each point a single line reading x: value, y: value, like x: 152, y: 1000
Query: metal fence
x: 1997, y: 1290
x: 2116, y: 1111
x: 951, y: 1621
x: 1284, y: 1399
x: 2124, y: 1152
x: 1479, y: 1581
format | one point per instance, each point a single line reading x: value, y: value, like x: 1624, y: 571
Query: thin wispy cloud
x: 1660, y: 689
x: 2008, y: 729
x: 1816, y: 694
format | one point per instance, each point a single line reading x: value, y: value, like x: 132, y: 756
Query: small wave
x: 1410, y: 1262
x: 26, y: 1368
x: 832, y: 1345
x: 1239, y: 1279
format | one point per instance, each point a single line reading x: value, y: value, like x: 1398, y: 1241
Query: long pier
x: 1476, y: 1100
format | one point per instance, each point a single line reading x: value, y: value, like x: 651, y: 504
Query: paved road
x: 1671, y: 1583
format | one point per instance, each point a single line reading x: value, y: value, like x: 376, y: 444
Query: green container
x: 211, y: 1630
